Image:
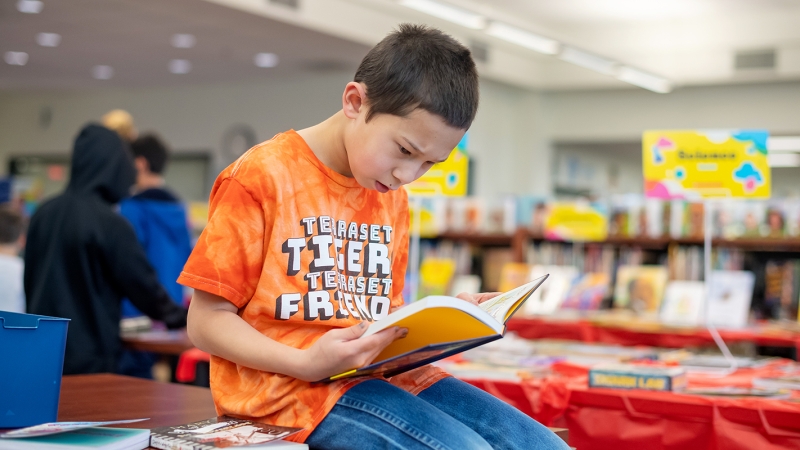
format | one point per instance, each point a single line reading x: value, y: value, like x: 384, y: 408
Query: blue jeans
x: 449, y: 415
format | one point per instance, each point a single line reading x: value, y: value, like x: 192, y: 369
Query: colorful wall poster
x: 448, y: 178
x: 575, y: 222
x: 688, y: 164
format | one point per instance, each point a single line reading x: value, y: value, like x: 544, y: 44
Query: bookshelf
x: 521, y: 238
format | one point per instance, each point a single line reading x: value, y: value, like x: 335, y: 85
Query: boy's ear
x: 141, y: 164
x: 354, y: 100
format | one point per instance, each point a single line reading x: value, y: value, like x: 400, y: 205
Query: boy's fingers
x: 350, y: 333
x: 482, y: 297
x: 379, y: 341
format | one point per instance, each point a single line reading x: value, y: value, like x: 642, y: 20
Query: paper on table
x: 60, y: 427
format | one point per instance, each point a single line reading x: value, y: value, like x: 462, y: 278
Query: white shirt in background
x: 12, y: 294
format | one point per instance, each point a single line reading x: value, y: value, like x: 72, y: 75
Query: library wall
x: 195, y: 118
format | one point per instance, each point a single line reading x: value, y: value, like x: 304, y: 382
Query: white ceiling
x: 133, y: 37
x: 689, y: 42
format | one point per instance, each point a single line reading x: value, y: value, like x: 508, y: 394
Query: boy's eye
x: 404, y: 151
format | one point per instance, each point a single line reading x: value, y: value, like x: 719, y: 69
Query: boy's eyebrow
x: 411, y: 144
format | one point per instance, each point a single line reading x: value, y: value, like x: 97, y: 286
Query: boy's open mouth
x: 380, y: 187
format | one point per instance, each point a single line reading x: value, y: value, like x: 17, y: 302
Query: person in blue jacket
x: 160, y: 222
x: 158, y: 217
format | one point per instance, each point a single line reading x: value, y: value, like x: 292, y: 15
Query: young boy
x: 12, y: 240
x: 307, y: 243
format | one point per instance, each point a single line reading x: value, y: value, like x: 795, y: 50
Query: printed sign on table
x: 695, y: 164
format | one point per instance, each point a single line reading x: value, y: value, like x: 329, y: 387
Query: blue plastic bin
x: 31, y: 363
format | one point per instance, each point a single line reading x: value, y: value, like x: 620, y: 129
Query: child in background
x: 307, y: 243
x: 12, y: 240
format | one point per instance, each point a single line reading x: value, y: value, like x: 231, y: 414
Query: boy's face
x: 390, y: 151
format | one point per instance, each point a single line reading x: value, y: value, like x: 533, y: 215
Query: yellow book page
x: 435, y: 326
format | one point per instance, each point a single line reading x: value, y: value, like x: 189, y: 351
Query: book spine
x: 173, y: 443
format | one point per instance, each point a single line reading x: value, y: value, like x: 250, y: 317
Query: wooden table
x: 115, y: 397
x: 104, y: 397
x: 173, y: 342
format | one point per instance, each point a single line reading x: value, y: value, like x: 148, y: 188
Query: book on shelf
x: 224, y: 432
x: 93, y: 438
x: 683, y: 303
x: 640, y: 288
x: 729, y: 296
x: 441, y: 326
x: 587, y: 292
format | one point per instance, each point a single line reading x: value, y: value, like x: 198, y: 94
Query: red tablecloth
x: 621, y: 420
x: 587, y: 331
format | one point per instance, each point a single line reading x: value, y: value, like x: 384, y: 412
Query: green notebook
x: 90, y: 438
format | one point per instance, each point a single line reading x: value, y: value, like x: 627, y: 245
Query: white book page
x: 498, y: 307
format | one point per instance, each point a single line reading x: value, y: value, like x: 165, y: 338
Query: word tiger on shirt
x: 349, y: 276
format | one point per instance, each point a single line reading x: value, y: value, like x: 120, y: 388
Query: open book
x: 440, y: 326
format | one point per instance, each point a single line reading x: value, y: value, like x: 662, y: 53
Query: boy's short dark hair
x: 420, y: 67
x: 11, y: 225
x: 153, y: 150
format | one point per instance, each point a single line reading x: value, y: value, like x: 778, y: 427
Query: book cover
x: 729, y: 298
x: 587, y: 293
x: 441, y: 326
x: 683, y: 303
x: 60, y: 427
x: 640, y: 288
x: 222, y: 432
x: 631, y: 376
x: 97, y: 438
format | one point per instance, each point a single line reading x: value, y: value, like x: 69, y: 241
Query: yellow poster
x: 694, y: 164
x: 575, y: 222
x: 448, y: 178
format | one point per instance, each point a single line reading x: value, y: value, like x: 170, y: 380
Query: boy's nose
x: 404, y: 174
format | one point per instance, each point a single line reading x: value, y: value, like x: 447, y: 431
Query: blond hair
x: 120, y: 121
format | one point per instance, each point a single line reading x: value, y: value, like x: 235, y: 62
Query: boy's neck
x: 9, y: 249
x: 145, y: 181
x: 326, y: 140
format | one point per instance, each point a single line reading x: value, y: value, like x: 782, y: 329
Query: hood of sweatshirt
x: 101, y: 165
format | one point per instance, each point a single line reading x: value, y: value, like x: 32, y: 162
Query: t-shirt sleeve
x: 400, y: 260
x: 229, y: 255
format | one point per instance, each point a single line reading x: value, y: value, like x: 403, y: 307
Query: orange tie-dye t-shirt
x: 299, y: 249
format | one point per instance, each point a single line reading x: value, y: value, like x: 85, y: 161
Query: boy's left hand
x: 477, y: 299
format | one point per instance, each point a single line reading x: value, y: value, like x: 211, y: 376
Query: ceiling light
x: 644, y: 80
x: 266, y: 60
x: 48, y: 39
x: 783, y: 159
x: 180, y: 66
x: 183, y: 40
x: 30, y: 6
x: 523, y: 38
x: 587, y: 60
x: 16, y: 58
x: 447, y: 12
x: 781, y: 144
x: 102, y: 72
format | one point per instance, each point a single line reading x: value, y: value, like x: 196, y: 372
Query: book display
x: 648, y: 232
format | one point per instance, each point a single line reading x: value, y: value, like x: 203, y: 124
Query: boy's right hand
x: 340, y: 350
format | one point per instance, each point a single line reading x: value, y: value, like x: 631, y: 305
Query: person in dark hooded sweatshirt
x: 82, y: 257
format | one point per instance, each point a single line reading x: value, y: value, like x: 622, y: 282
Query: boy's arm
x: 215, y: 327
